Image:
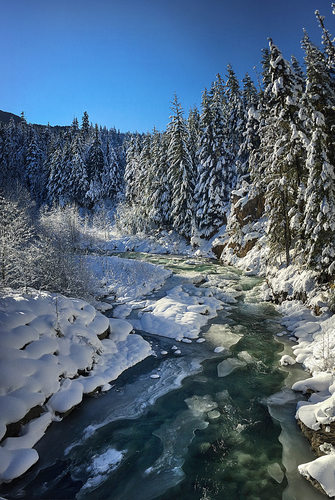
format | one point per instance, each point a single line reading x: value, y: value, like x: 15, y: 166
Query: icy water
x: 191, y: 434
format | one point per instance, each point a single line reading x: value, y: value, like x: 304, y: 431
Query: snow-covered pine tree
x: 319, y: 216
x: 160, y: 195
x: 144, y: 176
x: 214, y: 181
x: 85, y: 125
x: 36, y: 177
x: 95, y: 158
x: 95, y: 163
x: 112, y: 175
x: 77, y: 180
x: 300, y: 77
x: 328, y: 43
x: 193, y: 124
x: 235, y: 121
x: 283, y: 161
x: 15, y: 237
x: 180, y: 172
x: 250, y: 95
x: 57, y: 187
x: 258, y: 155
x: 74, y: 126
x: 132, y: 167
x: 250, y: 141
x: 12, y: 158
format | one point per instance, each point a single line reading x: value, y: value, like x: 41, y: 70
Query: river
x: 198, y: 431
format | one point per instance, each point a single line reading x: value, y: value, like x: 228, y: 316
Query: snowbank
x: 180, y: 314
x: 127, y: 278
x: 315, y: 349
x: 46, y: 342
x: 323, y: 471
x: 163, y: 242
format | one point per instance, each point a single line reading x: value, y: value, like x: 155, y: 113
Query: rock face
x: 317, y: 438
x: 217, y: 249
x: 241, y: 235
x: 250, y: 211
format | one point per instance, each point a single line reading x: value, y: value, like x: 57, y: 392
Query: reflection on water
x: 203, y: 430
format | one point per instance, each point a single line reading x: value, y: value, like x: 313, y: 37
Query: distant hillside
x: 5, y: 117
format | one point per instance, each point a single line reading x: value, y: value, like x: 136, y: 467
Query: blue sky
x: 123, y: 60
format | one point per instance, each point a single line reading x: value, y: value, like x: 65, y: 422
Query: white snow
x: 219, y: 349
x: 179, y: 314
x: 316, y: 351
x: 323, y: 470
x: 318, y: 383
x: 101, y: 466
x: 286, y: 360
x: 127, y: 278
x: 45, y: 340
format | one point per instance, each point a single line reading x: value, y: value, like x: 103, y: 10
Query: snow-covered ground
x: 51, y: 355
x: 315, y: 350
x: 164, y: 242
x: 126, y: 279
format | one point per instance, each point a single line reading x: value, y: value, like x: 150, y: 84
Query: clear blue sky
x: 122, y: 60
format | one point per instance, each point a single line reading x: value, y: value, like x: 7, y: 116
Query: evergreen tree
x: 85, y: 125
x: 132, y: 168
x: 77, y: 181
x: 74, y: 126
x: 180, y: 172
x: 15, y: 237
x: 95, y: 158
x: 193, y: 123
x: 319, y: 215
x: 250, y: 141
x: 214, y: 181
x: 249, y: 93
x: 161, y: 192
x: 59, y: 174
x: 300, y: 78
x: 35, y: 174
x: 328, y: 43
x: 235, y: 113
x: 112, y: 176
x: 283, y: 163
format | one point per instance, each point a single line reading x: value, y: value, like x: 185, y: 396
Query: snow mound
x: 46, y: 342
x: 179, y: 314
x: 127, y: 278
x: 323, y: 471
x: 286, y: 360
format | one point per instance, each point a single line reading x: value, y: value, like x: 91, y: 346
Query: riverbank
x: 167, y: 430
x: 304, y: 304
x: 197, y: 291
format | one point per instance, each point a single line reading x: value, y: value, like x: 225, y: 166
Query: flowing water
x: 191, y: 434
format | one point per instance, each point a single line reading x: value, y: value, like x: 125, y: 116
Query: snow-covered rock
x: 286, y: 360
x: 323, y: 471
